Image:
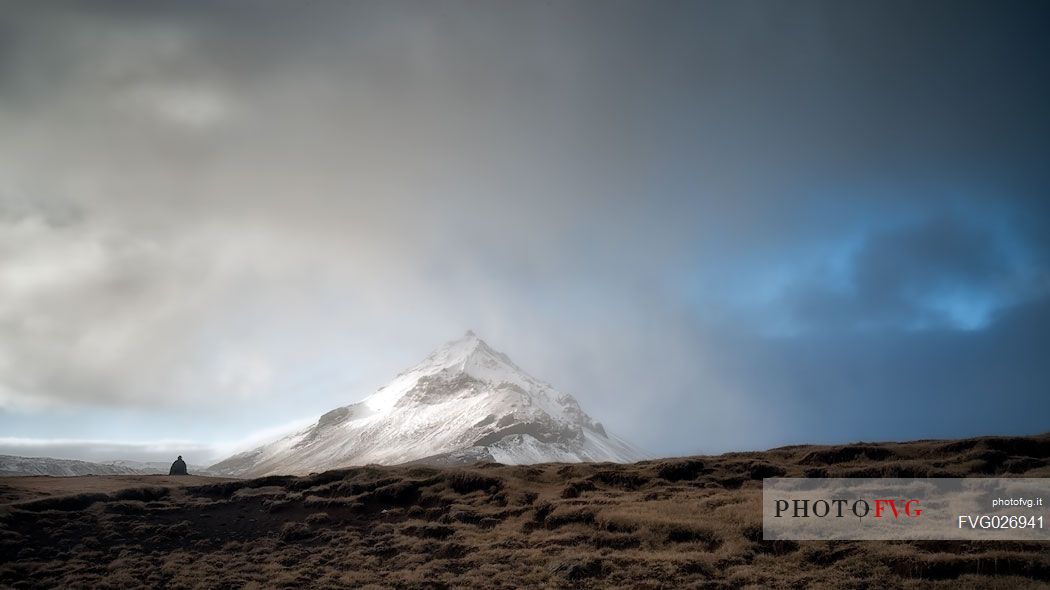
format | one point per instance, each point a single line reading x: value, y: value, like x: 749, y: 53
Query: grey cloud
x: 201, y: 203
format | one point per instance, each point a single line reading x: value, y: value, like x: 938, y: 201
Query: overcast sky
x: 720, y: 225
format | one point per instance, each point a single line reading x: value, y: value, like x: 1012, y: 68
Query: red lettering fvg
x: 910, y: 508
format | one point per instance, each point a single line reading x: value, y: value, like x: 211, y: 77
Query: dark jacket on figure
x: 178, y: 467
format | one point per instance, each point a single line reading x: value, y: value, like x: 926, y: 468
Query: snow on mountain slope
x: 465, y: 402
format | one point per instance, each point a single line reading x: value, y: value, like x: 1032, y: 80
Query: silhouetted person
x: 178, y: 467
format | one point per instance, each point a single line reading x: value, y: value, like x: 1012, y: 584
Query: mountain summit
x: 465, y: 402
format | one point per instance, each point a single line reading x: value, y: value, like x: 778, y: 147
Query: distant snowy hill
x: 14, y: 465
x: 464, y: 403
x: 155, y: 467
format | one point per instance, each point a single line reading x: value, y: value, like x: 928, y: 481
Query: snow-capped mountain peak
x: 473, y: 356
x: 468, y: 362
x: 464, y: 402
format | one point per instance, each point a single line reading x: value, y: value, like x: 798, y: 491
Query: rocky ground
x: 673, y: 523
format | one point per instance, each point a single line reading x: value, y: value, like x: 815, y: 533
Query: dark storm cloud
x: 931, y: 383
x: 684, y: 213
x: 941, y: 272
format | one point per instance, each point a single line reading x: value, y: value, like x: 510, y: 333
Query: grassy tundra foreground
x: 672, y: 523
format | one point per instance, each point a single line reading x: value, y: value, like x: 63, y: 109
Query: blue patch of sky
x: 756, y: 283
